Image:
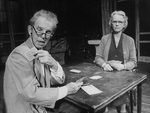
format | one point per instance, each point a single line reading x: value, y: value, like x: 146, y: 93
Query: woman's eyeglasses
x: 119, y: 22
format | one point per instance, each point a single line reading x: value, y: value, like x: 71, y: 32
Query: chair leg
x: 4, y: 107
x: 134, y: 96
x: 118, y: 109
x: 128, y: 108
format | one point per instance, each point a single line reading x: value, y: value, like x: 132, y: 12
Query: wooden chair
x: 94, y: 43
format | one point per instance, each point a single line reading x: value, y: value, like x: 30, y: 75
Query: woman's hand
x: 118, y: 66
x: 107, y: 67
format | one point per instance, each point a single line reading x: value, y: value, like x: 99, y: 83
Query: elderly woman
x: 117, y: 50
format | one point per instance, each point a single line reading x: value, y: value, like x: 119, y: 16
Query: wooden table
x: 113, y: 85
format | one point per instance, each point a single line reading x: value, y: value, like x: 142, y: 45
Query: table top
x: 113, y: 84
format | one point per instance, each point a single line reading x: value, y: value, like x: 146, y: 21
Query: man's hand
x: 73, y: 87
x: 46, y: 58
x: 80, y: 80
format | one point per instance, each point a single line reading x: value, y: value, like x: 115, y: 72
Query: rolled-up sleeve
x: 58, y: 75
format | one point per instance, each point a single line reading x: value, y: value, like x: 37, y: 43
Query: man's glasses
x: 119, y: 22
x: 48, y: 34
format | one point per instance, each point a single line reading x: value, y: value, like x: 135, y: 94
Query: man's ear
x: 29, y: 29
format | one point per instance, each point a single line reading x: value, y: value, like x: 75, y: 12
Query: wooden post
x: 137, y: 28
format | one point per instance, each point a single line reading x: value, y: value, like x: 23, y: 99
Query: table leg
x: 139, y: 98
x: 131, y: 101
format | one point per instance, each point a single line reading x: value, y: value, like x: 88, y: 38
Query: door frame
x: 138, y: 33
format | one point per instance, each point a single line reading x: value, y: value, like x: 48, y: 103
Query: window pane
x: 17, y: 15
x: 3, y: 19
x: 5, y: 37
x: 20, y: 37
x: 145, y: 37
x: 5, y: 49
x: 144, y: 14
x: 144, y: 49
x: 18, y: 43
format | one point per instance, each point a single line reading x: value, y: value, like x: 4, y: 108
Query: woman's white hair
x: 122, y: 13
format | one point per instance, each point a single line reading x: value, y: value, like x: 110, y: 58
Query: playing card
x: 30, y: 55
x: 91, y: 90
x: 75, y: 70
x: 80, y: 80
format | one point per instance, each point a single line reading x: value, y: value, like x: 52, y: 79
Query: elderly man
x: 31, y: 71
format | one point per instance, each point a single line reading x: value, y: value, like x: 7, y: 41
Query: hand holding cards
x: 88, y: 88
x: 80, y: 80
x: 31, y: 54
